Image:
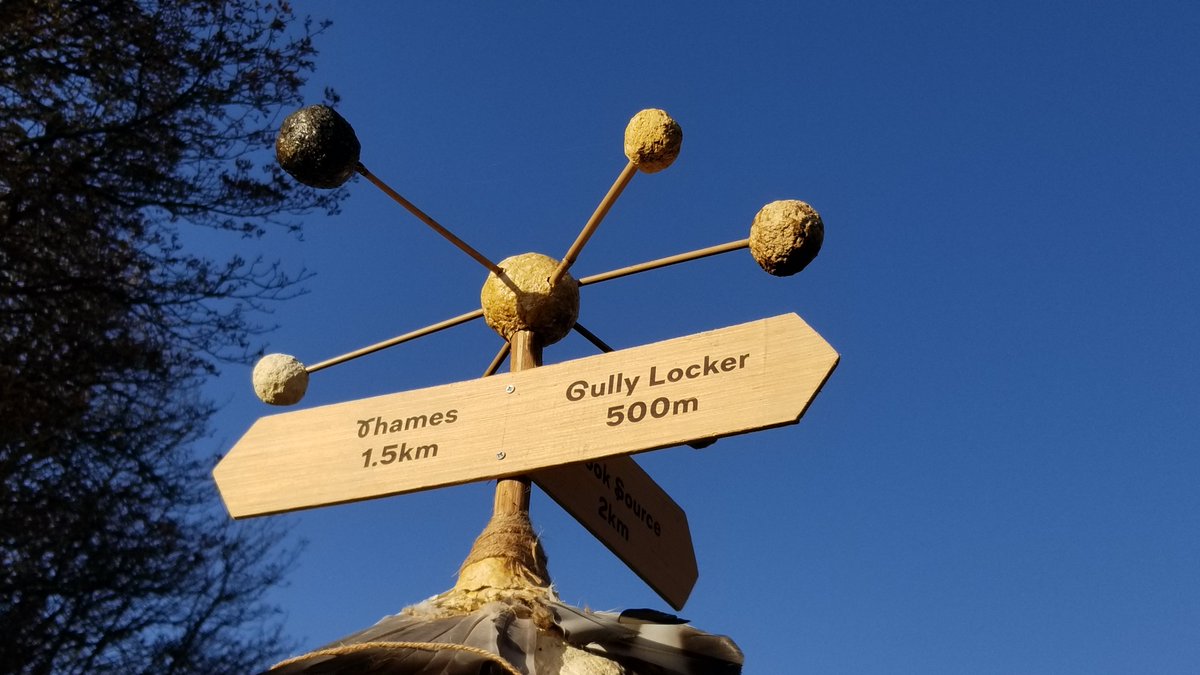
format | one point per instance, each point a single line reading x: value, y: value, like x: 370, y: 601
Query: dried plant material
x: 317, y: 147
x: 280, y: 379
x: 507, y: 555
x: 785, y: 236
x: 521, y: 299
x: 652, y: 140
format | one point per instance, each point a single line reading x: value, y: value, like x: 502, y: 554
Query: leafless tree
x: 122, y: 123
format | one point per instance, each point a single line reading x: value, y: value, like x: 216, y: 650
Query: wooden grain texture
x: 622, y: 506
x: 512, y: 494
x: 732, y: 380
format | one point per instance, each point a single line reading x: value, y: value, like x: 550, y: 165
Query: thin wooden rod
x: 512, y: 494
x: 591, y: 337
x: 664, y: 262
x: 615, y: 191
x: 425, y: 218
x: 495, y: 365
x: 461, y: 318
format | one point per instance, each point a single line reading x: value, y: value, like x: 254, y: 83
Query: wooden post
x: 507, y: 559
x: 512, y: 494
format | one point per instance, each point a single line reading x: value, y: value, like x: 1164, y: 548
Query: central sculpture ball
x: 521, y: 299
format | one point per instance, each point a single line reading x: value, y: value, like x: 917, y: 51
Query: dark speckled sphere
x: 317, y: 147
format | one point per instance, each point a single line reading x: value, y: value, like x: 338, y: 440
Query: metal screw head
x: 510, y: 389
x: 500, y: 455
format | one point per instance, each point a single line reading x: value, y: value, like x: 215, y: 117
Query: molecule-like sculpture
x: 527, y: 292
x: 531, y: 300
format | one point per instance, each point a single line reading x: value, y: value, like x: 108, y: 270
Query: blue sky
x: 1002, y: 474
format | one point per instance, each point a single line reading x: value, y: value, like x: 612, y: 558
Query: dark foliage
x: 121, y: 123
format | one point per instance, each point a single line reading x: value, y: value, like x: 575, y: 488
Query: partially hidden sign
x: 717, y: 383
x: 622, y: 506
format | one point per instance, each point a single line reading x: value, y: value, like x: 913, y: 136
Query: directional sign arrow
x: 718, y: 383
x: 622, y: 506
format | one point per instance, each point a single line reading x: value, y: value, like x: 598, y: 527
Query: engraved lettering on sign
x: 658, y: 375
x: 399, y: 453
x: 379, y: 425
x: 611, y: 510
x: 617, y: 383
x: 402, y: 451
x: 710, y: 367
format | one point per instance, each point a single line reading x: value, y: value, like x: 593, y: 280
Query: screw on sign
x: 528, y: 424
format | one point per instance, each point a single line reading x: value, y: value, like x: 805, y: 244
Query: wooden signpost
x: 729, y: 381
x: 569, y: 427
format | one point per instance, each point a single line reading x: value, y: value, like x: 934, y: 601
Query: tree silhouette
x: 122, y: 123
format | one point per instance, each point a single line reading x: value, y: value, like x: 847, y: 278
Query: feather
x: 503, y: 638
x: 495, y: 630
x: 667, y: 647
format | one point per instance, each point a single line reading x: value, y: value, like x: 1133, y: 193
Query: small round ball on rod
x: 652, y: 140
x: 785, y: 236
x: 280, y: 379
x: 521, y: 299
x: 317, y: 147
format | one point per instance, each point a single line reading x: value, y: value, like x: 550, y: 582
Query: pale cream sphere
x: 280, y: 379
x: 785, y: 236
x: 522, y: 299
x: 652, y: 140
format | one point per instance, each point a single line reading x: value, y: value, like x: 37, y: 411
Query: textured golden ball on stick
x: 652, y: 140
x: 785, y: 236
x: 522, y: 299
x: 317, y: 147
x: 280, y: 379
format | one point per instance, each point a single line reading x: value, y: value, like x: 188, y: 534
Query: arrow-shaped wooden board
x: 717, y: 383
x: 622, y: 506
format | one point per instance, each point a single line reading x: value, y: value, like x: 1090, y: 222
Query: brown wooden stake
x: 512, y: 494
x: 507, y: 560
x: 594, y: 222
x: 664, y: 262
x: 425, y: 218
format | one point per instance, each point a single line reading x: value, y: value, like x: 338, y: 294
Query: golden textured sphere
x: 521, y: 299
x: 280, y: 379
x: 652, y: 140
x: 785, y: 236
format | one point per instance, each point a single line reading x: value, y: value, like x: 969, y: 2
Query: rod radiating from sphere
x: 652, y: 142
x: 319, y: 148
x: 592, y: 338
x: 497, y: 360
x: 427, y: 219
x: 665, y: 262
x: 420, y: 332
x: 589, y: 228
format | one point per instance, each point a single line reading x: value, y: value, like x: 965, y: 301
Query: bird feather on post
x: 515, y: 637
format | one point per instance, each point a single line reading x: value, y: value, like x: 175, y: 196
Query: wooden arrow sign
x: 718, y: 383
x: 622, y: 506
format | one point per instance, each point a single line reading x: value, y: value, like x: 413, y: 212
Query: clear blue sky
x: 1002, y: 475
